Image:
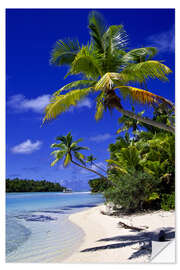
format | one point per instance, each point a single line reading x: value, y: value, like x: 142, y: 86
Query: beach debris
x: 115, y: 214
x: 126, y: 226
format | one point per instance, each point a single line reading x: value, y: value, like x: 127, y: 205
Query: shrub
x: 168, y: 201
x: 132, y: 190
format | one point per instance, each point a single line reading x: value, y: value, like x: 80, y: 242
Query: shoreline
x: 105, y: 241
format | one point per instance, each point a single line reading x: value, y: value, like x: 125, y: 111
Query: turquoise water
x: 37, y: 225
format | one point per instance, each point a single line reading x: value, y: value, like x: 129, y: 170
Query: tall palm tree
x: 107, y: 67
x: 91, y: 160
x: 67, y: 149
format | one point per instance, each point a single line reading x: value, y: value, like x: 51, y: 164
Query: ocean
x: 37, y: 225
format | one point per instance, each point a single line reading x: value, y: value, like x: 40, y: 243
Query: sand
x: 106, y: 242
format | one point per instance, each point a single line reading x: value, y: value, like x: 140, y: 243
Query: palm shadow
x: 144, y: 239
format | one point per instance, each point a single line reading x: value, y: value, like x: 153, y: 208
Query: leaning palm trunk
x: 99, y: 167
x: 146, y: 120
x: 99, y: 174
x: 113, y: 101
x: 91, y: 170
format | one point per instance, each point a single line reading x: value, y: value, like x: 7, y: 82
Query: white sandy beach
x: 106, y: 242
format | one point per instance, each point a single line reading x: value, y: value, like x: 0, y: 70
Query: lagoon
x: 37, y: 225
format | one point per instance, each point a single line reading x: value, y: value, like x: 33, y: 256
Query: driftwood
x: 106, y: 213
x: 125, y: 226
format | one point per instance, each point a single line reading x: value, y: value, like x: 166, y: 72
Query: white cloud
x: 100, y: 137
x: 26, y: 147
x: 20, y: 103
x: 164, y: 41
x: 86, y: 102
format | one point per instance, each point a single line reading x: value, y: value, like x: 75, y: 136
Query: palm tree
x: 107, y: 67
x: 91, y: 160
x: 128, y: 123
x: 67, y: 148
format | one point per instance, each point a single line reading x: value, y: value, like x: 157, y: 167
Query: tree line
x: 24, y: 185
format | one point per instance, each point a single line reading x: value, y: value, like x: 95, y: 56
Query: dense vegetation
x: 99, y: 185
x: 143, y: 167
x: 20, y: 185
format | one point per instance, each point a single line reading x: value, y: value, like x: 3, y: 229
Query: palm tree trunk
x: 102, y: 176
x: 145, y: 120
x: 99, y: 174
x: 98, y: 167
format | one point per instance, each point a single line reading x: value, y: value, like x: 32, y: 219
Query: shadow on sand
x: 143, y: 239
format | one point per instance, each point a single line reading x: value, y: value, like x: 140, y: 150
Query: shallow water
x: 37, y: 225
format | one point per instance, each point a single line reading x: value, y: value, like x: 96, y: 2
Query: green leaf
x: 54, y: 162
x: 67, y: 160
x: 79, y: 157
x: 87, y: 62
x: 115, y: 38
x: 64, y: 52
x: 80, y: 84
x: 97, y: 29
x: 148, y: 69
x: 140, y: 54
x: 153, y: 196
x: 62, y: 103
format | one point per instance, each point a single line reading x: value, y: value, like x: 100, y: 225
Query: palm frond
x: 105, y: 82
x: 59, y: 155
x: 62, y: 103
x: 58, y: 145
x: 143, y: 96
x: 99, y: 111
x: 80, y: 84
x: 88, y: 62
x: 110, y: 79
x: 64, y: 52
x: 54, y: 162
x: 80, y: 157
x: 97, y: 29
x: 54, y: 153
x: 69, y: 139
x: 115, y: 38
x: 78, y: 148
x: 74, y: 143
x: 125, y: 128
x: 140, y: 54
x: 117, y: 165
x: 67, y: 160
x: 99, y: 106
x: 149, y: 69
x: 91, y: 158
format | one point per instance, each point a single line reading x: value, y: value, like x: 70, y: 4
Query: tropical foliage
x: 99, y: 185
x: 143, y: 169
x: 132, y: 190
x: 90, y: 159
x: 24, y: 185
x: 107, y: 69
x: 69, y: 150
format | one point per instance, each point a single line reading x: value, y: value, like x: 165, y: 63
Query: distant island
x: 24, y: 185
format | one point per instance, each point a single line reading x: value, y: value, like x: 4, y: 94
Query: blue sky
x: 30, y: 36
